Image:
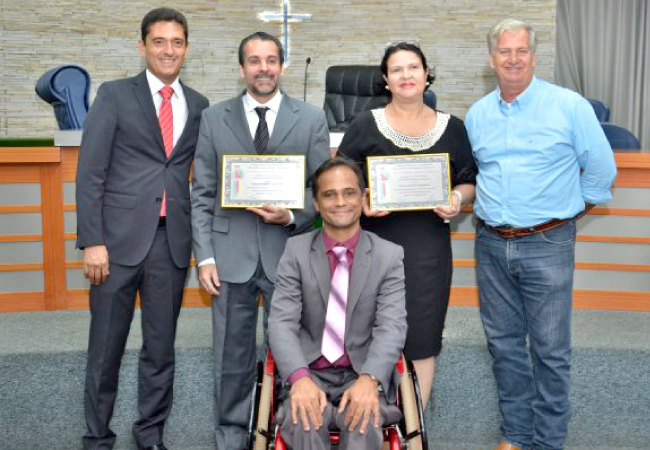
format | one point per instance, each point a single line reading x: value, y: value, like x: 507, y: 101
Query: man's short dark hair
x: 162, y: 15
x: 330, y: 164
x: 262, y: 36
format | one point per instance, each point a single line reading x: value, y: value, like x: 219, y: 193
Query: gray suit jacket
x: 375, y: 325
x: 123, y: 171
x: 235, y: 237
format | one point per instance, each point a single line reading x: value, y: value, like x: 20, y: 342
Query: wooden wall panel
x: 53, y: 166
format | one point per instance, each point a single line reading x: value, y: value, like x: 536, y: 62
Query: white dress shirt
x: 251, y: 115
x: 179, y: 104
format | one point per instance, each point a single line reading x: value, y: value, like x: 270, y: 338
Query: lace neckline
x: 415, y: 144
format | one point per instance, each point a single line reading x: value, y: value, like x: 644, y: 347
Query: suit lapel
x: 287, y: 118
x: 360, y: 272
x: 320, y: 267
x: 238, y: 124
x: 143, y: 94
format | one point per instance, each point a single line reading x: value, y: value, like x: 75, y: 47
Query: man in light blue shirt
x: 543, y: 160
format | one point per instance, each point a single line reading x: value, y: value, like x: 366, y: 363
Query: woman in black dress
x: 407, y: 126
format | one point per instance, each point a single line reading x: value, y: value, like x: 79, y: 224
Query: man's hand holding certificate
x: 253, y: 181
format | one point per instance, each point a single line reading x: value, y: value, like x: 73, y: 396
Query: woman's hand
x: 448, y: 212
x: 369, y: 212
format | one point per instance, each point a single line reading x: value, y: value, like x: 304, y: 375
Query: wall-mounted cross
x: 284, y: 17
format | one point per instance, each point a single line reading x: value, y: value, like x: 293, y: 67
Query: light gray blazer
x: 375, y: 326
x: 235, y: 237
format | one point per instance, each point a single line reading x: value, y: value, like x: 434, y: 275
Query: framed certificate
x: 259, y: 180
x: 409, y: 182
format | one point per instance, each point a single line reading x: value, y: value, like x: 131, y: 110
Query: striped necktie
x: 166, y: 121
x: 262, y: 131
x: 333, y: 347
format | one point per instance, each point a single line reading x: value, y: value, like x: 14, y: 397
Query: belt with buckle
x: 510, y: 232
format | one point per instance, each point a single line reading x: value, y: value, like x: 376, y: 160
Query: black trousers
x: 112, y: 303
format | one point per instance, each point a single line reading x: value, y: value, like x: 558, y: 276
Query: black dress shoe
x: 160, y: 446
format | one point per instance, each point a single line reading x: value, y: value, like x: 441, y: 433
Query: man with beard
x: 238, y: 249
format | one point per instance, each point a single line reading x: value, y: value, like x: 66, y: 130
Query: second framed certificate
x: 259, y: 180
x: 409, y: 182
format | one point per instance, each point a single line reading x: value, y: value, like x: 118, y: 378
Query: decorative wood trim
x: 614, y: 239
x: 582, y: 299
x: 469, y: 236
x: 19, y: 209
x: 611, y: 300
x: 464, y: 263
x: 632, y: 160
x: 69, y: 163
x: 21, y: 237
x: 19, y: 173
x: 194, y: 297
x: 12, y: 302
x: 609, y: 266
x: 578, y: 266
x: 633, y: 170
x: 77, y: 299
x: 20, y: 267
x: 602, y: 211
x: 620, y: 212
x: 30, y: 155
x: 53, y: 244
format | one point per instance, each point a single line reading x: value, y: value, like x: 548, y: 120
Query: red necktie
x: 166, y: 120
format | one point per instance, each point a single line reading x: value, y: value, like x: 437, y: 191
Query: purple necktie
x: 334, y: 334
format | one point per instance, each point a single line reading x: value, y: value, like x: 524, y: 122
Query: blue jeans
x: 525, y: 291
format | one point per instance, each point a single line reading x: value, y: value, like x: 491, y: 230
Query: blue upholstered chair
x: 350, y: 90
x: 620, y: 138
x: 67, y: 89
x: 601, y: 110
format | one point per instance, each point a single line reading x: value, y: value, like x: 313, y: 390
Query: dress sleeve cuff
x: 596, y: 196
x: 298, y: 374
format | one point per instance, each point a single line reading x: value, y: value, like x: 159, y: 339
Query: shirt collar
x: 350, y: 244
x: 274, y: 104
x: 522, y: 99
x: 155, y: 85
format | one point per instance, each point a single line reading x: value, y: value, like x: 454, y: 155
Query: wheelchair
x: 409, y: 433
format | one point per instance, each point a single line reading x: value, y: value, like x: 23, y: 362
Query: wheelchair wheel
x: 412, y: 425
x: 263, y: 428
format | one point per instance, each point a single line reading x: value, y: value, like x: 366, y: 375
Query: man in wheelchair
x: 337, y: 322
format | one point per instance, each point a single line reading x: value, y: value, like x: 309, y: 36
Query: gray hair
x: 510, y: 26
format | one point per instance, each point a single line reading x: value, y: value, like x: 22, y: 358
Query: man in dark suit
x: 133, y: 224
x: 338, y: 321
x: 238, y: 249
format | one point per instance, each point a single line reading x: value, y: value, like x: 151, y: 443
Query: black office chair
x: 620, y: 138
x: 350, y: 90
x: 601, y: 110
x: 67, y: 89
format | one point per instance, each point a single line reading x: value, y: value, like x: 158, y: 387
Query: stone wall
x: 101, y: 36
